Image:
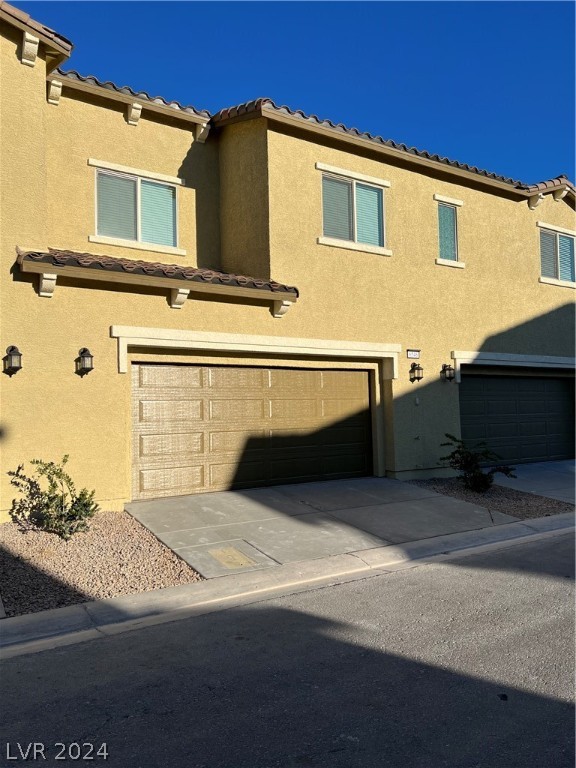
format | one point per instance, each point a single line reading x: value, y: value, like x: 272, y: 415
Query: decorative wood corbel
x: 202, y: 131
x: 281, y: 307
x: 54, y: 92
x: 133, y: 112
x: 178, y: 296
x: 29, y: 49
x: 560, y: 194
x: 534, y: 201
x: 47, y: 285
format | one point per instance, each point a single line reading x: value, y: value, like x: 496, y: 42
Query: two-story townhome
x: 193, y: 302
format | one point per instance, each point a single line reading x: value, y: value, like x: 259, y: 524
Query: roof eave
x: 126, y: 98
x: 61, y: 50
x: 272, y: 114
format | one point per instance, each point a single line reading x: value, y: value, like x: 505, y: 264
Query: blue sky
x: 487, y: 83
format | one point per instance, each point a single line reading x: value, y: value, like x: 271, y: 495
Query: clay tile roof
x: 125, y: 89
x: 60, y: 258
x: 267, y: 105
x: 24, y: 18
x: 542, y: 186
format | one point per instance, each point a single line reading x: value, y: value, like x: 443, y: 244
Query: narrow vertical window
x: 447, y: 230
x: 337, y: 208
x: 566, y: 258
x: 117, y: 215
x: 369, y: 215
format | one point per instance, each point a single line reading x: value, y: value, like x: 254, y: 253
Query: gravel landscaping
x: 498, y: 498
x: 117, y: 556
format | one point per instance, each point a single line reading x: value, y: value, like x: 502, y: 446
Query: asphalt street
x: 466, y: 663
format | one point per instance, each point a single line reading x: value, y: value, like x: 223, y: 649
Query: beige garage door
x: 211, y: 428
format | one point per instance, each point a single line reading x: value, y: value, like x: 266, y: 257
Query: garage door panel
x: 160, y: 377
x: 223, y: 379
x: 235, y: 427
x: 473, y: 407
x: 161, y: 411
x: 502, y: 429
x: 522, y: 418
x: 238, y: 410
x: 177, y: 479
x: 174, y: 445
x: 233, y: 442
x: 236, y: 475
x: 294, y: 410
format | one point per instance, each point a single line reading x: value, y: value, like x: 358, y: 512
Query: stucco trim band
x: 448, y: 200
x: 134, y: 337
x: 554, y: 228
x: 500, y: 358
x: 352, y: 246
x: 352, y: 175
x: 105, y: 166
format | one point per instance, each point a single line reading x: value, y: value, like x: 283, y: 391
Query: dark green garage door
x: 522, y: 418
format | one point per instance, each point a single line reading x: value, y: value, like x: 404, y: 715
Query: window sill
x: 449, y: 263
x: 351, y: 246
x: 136, y: 245
x: 561, y: 283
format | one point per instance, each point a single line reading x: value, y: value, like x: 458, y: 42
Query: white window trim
x: 556, y: 231
x: 138, y: 244
x: 353, y: 246
x: 450, y: 263
x: 554, y: 281
x: 135, y: 172
x: 448, y: 200
x: 456, y: 261
x: 353, y: 175
x: 353, y: 178
x: 554, y: 228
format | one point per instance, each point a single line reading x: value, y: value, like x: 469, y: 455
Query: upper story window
x: 135, y: 209
x: 556, y: 254
x: 352, y: 210
x: 132, y: 208
x: 448, y: 231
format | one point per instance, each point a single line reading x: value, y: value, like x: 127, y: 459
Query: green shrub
x: 57, y: 508
x: 468, y: 460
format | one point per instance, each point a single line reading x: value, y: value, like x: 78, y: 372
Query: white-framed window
x: 352, y: 210
x: 557, y: 255
x: 448, y: 231
x: 133, y: 208
x: 136, y: 209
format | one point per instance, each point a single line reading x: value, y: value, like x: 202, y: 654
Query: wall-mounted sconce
x: 84, y: 362
x: 416, y: 372
x: 12, y: 361
x: 447, y: 373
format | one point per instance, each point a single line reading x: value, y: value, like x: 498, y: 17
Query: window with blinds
x: 447, y: 232
x: 132, y: 208
x: 557, y: 256
x: 352, y: 211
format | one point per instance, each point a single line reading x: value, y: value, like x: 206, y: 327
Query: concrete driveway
x: 554, y: 479
x: 235, y: 531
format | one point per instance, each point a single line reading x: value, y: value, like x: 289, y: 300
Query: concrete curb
x: 87, y: 621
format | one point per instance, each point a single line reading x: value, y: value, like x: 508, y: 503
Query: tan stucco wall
x: 259, y: 194
x: 407, y: 298
x: 244, y: 198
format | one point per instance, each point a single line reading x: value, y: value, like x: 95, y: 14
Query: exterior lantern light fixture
x: 12, y: 361
x: 416, y: 372
x: 447, y: 373
x: 84, y: 362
